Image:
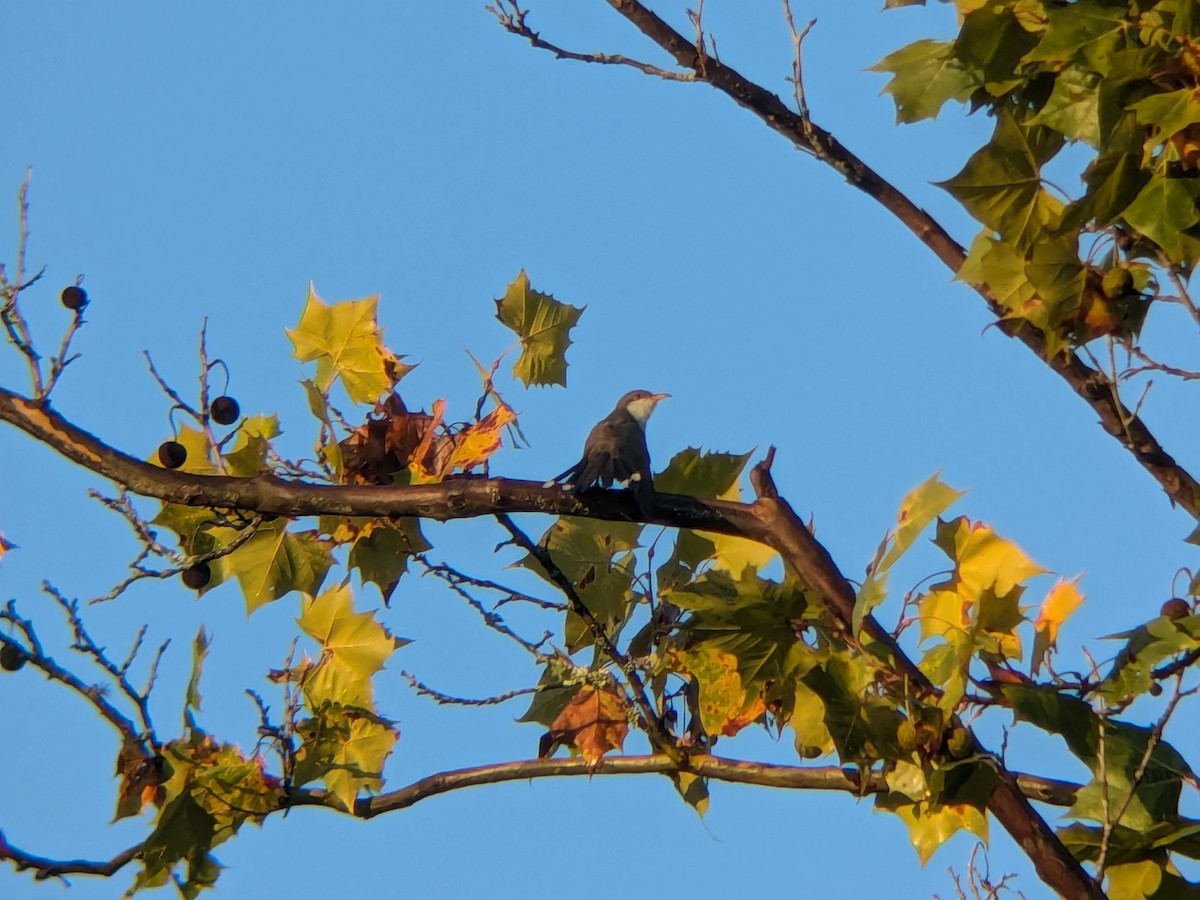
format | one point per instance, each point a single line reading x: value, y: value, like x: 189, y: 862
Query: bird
x: 615, y: 451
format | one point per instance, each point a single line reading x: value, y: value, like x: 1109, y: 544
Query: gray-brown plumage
x: 615, y: 451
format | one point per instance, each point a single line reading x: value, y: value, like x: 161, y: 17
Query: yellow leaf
x: 984, y: 559
x: 930, y: 828
x: 725, y: 708
x: 1062, y: 601
x: 355, y: 640
x: 346, y: 341
x: 477, y: 442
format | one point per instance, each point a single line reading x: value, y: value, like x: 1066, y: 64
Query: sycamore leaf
x: 1162, y: 210
x: 699, y: 474
x: 813, y: 739
x: 595, y: 721
x: 544, y: 326
x: 929, y: 825
x: 693, y: 789
x: 328, y: 449
x: 1062, y: 601
x: 1123, y: 778
x: 1073, y: 108
x: 346, y: 748
x: 1146, y: 647
x: 381, y: 551
x: 248, y: 455
x: 920, y: 506
x: 346, y: 341
x: 925, y: 74
x: 1169, y: 113
x: 726, y: 707
x: 356, y: 641
x: 1001, y: 184
x: 475, y: 444
x: 1085, y: 32
x: 598, y: 559
x: 276, y: 561
x: 982, y: 558
x: 991, y: 42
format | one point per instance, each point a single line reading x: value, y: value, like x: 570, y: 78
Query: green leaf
x: 544, y: 326
x: 1146, y: 647
x: 248, y: 456
x: 597, y: 558
x: 346, y: 341
x: 925, y: 75
x: 992, y: 42
x: 753, y: 619
x: 1156, y: 796
x: 1073, y: 108
x: 276, y: 561
x: 1001, y: 183
x: 699, y: 474
x: 1086, y: 31
x: 346, y: 748
x: 1169, y: 113
x: 327, y: 447
x: 381, y: 553
x: 1163, y: 209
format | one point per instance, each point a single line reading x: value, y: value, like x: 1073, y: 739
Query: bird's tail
x: 568, y: 478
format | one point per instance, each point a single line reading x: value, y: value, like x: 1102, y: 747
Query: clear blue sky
x: 210, y: 159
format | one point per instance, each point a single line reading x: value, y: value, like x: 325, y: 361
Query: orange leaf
x: 594, y: 722
x: 1064, y: 598
x: 475, y: 443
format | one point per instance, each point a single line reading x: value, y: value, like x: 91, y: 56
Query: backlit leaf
x: 544, y: 326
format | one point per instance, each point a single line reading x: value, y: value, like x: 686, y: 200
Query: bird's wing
x: 570, y: 477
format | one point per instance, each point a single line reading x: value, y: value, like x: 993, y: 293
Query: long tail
x: 569, y: 477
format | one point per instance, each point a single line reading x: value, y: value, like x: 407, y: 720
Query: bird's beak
x: 657, y: 397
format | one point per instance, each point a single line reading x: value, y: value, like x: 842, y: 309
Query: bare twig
x: 118, y: 673
x: 445, y: 699
x: 512, y: 19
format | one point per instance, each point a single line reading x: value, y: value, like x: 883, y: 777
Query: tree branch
x: 805, y: 778
x: 1092, y: 386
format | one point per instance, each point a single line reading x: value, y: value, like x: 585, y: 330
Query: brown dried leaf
x: 594, y: 722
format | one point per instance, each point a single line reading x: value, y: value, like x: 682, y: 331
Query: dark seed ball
x: 225, y: 410
x: 74, y: 297
x: 172, y: 454
x: 11, y: 658
x: 197, y: 576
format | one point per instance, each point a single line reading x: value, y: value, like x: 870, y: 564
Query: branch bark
x: 734, y: 771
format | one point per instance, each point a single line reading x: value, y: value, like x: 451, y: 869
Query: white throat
x: 641, y: 409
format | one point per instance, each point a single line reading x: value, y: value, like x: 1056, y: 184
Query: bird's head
x: 640, y: 404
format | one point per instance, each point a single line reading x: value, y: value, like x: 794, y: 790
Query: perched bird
x: 615, y: 451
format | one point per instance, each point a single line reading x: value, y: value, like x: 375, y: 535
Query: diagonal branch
x: 1092, y: 386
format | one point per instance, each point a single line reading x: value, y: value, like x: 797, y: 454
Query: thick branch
x: 784, y: 531
x: 457, y: 498
x: 1095, y: 389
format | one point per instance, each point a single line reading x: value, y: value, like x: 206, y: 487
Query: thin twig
x: 655, y: 730
x: 512, y: 19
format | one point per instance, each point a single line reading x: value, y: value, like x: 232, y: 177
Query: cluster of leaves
x: 332, y: 733
x: 1119, y: 76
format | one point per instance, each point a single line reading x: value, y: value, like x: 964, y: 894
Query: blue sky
x: 211, y: 159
